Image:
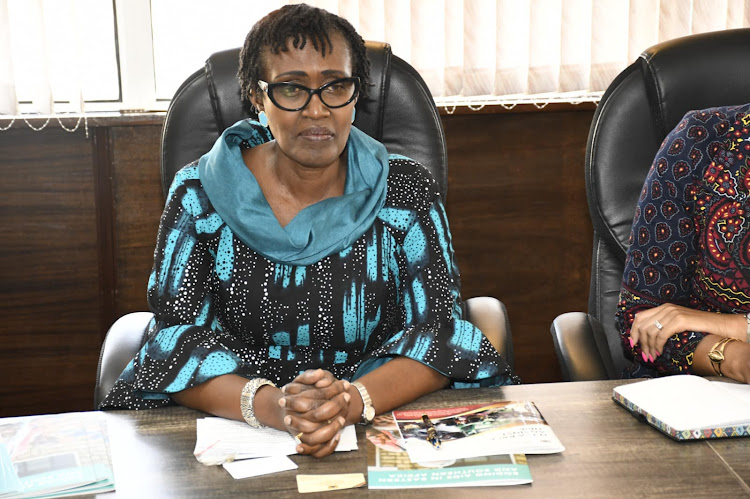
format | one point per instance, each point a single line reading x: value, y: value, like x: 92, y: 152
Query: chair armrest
x: 490, y: 316
x: 581, y: 346
x: 123, y: 340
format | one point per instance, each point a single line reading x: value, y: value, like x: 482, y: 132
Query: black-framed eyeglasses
x: 295, y: 97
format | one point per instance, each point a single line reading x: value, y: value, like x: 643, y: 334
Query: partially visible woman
x: 298, y: 255
x: 685, y: 297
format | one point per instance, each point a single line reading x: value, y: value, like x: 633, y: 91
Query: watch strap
x: 368, y: 411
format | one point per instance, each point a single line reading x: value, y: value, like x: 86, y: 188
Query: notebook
x: 687, y: 407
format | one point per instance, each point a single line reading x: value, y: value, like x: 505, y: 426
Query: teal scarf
x: 317, y: 231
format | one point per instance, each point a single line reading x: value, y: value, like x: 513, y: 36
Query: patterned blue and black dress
x: 221, y: 307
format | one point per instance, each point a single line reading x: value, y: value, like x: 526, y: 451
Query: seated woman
x: 297, y: 255
x: 685, y: 293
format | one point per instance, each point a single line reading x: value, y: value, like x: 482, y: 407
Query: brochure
x: 54, y: 455
x: 507, y: 427
x: 389, y: 466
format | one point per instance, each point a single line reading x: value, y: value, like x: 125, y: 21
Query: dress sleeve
x: 434, y: 332
x: 186, y: 344
x: 663, y: 252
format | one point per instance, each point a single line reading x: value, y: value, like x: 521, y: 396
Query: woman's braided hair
x: 302, y: 24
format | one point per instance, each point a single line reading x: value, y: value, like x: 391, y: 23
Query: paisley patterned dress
x: 222, y: 308
x: 690, y: 242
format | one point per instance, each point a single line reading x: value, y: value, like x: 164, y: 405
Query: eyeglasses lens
x: 293, y: 96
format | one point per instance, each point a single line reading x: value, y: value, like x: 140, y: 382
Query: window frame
x: 135, y: 51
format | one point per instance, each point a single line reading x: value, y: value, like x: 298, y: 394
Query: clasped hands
x: 315, y: 406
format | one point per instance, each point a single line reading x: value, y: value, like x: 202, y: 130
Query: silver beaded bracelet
x: 246, y: 401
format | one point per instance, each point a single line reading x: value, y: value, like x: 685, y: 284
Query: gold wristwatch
x: 368, y: 411
x: 716, y: 354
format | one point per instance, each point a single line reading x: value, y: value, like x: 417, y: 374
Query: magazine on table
x: 389, y: 466
x: 508, y: 427
x: 55, y: 455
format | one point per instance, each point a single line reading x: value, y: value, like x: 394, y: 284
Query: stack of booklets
x: 479, y: 445
x: 688, y: 407
x: 55, y: 455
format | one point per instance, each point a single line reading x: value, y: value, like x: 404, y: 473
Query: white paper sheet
x: 222, y: 440
x: 260, y: 466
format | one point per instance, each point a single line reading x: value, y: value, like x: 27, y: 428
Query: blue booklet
x: 54, y: 455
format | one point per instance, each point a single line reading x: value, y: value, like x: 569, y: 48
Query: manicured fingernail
x: 631, y: 342
x: 337, y: 437
x: 283, y: 389
x: 342, y: 421
x: 347, y: 397
x: 282, y: 402
x: 299, y: 448
x: 288, y: 420
x: 346, y: 384
x: 643, y: 354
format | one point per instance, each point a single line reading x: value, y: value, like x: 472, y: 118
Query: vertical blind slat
x: 506, y: 50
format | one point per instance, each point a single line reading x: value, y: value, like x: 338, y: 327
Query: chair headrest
x: 643, y: 104
x: 400, y: 112
x: 698, y: 72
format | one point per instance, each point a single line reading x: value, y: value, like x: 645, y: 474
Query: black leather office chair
x: 400, y: 113
x: 637, y: 111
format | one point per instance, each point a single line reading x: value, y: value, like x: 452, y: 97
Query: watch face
x: 369, y: 413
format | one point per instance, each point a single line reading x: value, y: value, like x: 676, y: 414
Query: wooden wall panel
x: 79, y: 218
x: 138, y: 203
x: 519, y: 218
x: 49, y: 273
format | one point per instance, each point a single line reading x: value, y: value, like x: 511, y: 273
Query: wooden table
x: 608, y: 453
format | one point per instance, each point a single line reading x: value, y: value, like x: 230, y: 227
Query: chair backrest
x: 400, y: 113
x: 637, y: 111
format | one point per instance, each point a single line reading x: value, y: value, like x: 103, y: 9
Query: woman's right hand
x: 652, y: 327
x: 315, y: 406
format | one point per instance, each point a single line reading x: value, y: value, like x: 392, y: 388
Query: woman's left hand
x: 316, y: 405
x: 653, y: 327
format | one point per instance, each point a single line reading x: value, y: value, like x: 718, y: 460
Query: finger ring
x: 658, y: 325
x: 296, y: 437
